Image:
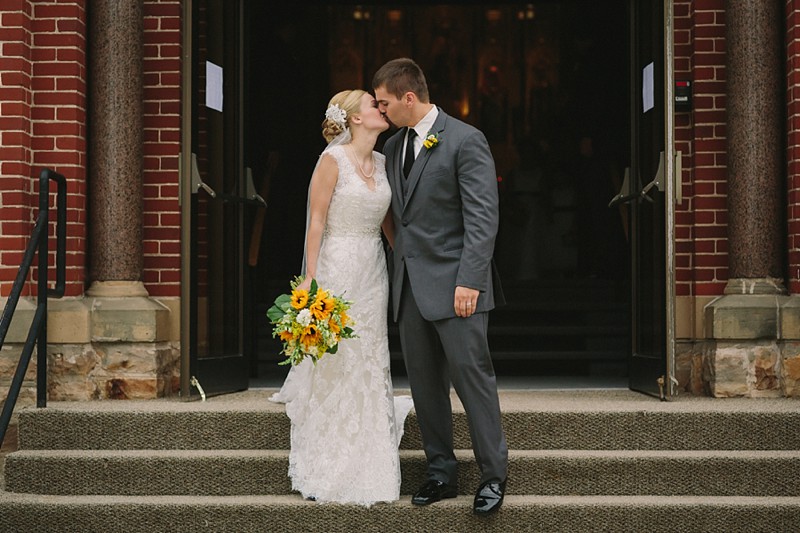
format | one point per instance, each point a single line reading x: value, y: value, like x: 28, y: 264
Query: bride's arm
x: 388, y: 227
x: 323, y: 181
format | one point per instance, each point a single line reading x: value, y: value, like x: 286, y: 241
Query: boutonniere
x: 431, y: 141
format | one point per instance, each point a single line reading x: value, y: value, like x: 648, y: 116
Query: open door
x: 647, y: 198
x: 213, y: 171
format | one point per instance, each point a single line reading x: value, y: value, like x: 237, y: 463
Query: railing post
x: 41, y: 345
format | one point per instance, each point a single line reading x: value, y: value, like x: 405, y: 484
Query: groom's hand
x: 466, y: 300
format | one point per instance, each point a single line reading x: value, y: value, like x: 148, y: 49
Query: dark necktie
x: 408, y: 162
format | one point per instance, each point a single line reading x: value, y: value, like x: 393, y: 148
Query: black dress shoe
x: 432, y: 492
x: 489, y: 497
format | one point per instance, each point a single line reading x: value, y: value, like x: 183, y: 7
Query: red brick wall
x: 44, y: 47
x: 793, y: 147
x: 162, y: 136
x: 701, y: 221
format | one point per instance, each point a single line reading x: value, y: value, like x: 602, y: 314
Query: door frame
x: 672, y: 182
x: 185, y: 196
x: 190, y: 388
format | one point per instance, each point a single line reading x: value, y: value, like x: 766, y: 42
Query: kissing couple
x: 433, y: 194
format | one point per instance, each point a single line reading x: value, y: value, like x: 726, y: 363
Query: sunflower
x: 286, y: 335
x: 334, y: 327
x: 299, y: 298
x: 310, y: 335
x: 322, y: 306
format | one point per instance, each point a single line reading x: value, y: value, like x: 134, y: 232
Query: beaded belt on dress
x: 352, y: 232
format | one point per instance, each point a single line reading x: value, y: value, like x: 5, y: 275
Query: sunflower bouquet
x: 309, y: 322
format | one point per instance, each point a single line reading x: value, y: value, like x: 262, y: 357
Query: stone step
x: 292, y: 514
x: 541, y: 472
x: 533, y: 420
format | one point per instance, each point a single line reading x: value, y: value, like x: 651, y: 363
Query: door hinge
x: 196, y: 383
x: 661, y: 384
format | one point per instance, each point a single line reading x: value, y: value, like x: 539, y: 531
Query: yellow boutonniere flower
x: 431, y: 140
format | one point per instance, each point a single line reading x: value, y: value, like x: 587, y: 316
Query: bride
x: 346, y: 423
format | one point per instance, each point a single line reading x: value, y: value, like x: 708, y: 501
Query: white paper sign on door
x: 648, y: 100
x: 213, y: 86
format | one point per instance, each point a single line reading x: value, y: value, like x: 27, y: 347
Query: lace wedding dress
x: 345, y: 427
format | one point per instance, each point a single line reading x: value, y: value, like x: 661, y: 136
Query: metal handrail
x: 37, y: 334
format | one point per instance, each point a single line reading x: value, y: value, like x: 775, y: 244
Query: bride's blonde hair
x: 350, y: 102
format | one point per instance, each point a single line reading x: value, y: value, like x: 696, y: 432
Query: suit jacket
x: 446, y: 215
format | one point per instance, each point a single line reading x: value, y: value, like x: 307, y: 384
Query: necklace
x: 358, y: 163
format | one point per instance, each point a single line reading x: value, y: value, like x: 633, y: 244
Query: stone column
x: 115, y: 147
x: 127, y: 353
x: 745, y: 356
x: 755, y: 144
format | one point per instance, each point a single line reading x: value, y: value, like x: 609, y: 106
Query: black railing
x: 38, y: 331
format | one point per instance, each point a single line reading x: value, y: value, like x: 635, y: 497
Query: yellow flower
x: 310, y: 335
x: 299, y: 298
x: 310, y: 323
x: 322, y: 306
x: 431, y: 141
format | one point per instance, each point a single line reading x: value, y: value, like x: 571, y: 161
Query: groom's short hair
x: 400, y: 76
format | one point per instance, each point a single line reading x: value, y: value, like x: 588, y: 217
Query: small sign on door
x: 213, y: 86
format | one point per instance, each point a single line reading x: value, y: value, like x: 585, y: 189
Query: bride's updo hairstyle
x: 348, y: 102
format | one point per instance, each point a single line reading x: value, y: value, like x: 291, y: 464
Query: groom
x: 445, y: 212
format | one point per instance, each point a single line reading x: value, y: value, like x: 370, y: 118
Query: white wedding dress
x: 345, y: 427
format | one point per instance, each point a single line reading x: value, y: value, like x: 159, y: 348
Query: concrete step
x: 533, y: 420
x: 291, y: 514
x: 541, y: 472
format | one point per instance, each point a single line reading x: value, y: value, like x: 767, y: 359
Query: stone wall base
x: 751, y: 369
x: 94, y: 371
x: 101, y: 347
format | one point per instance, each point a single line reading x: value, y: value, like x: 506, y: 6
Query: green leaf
x: 333, y: 349
x: 275, y: 314
x: 283, y: 299
x: 314, y: 287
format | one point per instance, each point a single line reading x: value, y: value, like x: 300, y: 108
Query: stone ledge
x: 103, y: 319
x: 128, y: 319
x: 790, y: 318
x: 746, y: 317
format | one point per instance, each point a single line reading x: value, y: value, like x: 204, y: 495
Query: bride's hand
x: 306, y: 284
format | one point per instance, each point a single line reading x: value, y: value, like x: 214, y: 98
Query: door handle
x: 621, y: 196
x: 197, y: 181
x: 657, y: 181
x: 251, y: 188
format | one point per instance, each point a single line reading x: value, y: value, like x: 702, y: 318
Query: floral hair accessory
x: 431, y: 140
x: 337, y: 115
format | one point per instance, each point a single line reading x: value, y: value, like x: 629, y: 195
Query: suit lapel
x: 422, y: 159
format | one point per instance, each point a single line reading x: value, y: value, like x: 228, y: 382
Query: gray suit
x: 446, y: 218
